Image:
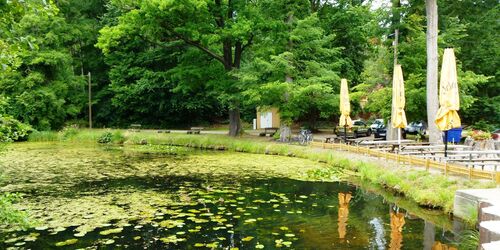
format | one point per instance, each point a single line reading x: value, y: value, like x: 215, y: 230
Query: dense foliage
x: 179, y: 63
x: 13, y: 130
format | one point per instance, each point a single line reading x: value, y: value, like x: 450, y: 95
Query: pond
x: 86, y: 196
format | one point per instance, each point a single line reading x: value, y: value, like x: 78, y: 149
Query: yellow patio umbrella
x: 398, y: 116
x: 449, y: 102
x: 345, y: 107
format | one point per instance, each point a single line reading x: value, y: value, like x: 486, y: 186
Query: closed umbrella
x: 398, y: 116
x: 449, y: 102
x: 345, y: 107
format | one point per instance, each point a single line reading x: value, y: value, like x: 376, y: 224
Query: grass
x: 430, y: 190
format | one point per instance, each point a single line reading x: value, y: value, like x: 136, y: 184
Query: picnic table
x: 195, y: 130
x: 268, y: 131
x: 135, y: 127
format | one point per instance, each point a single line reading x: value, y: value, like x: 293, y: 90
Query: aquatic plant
x: 10, y: 216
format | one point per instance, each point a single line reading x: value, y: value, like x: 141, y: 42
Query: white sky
x: 379, y: 3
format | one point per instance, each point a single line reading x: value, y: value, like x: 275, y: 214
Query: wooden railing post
x: 427, y: 164
x: 497, y: 178
x: 445, y: 168
x: 470, y: 172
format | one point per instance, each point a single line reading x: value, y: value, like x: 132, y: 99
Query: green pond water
x: 148, y: 197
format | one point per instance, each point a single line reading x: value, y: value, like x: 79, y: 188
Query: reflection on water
x: 440, y: 246
x: 397, y: 223
x: 343, y: 212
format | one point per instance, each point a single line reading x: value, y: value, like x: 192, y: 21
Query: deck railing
x: 447, y: 168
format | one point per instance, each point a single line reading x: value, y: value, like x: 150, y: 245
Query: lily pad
x: 66, y: 242
x: 248, y: 238
x: 111, y: 231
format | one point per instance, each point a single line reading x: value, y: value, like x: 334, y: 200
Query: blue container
x: 454, y: 135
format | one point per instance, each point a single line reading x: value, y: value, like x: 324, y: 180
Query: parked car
x: 495, y: 135
x: 377, y: 123
x: 359, y: 128
x: 380, y: 132
x: 414, y: 128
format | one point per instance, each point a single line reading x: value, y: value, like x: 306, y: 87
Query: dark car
x: 380, y: 132
x: 415, y: 128
x: 359, y: 128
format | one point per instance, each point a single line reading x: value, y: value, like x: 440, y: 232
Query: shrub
x: 115, y: 137
x: 118, y: 137
x: 8, y: 214
x: 106, y: 137
x: 69, y: 131
x: 13, y: 130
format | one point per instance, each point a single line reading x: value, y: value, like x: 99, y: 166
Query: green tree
x: 221, y: 30
x: 39, y: 88
x: 312, y: 63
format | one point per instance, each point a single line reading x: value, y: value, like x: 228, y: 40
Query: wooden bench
x: 195, y: 130
x: 268, y: 131
x: 135, y: 127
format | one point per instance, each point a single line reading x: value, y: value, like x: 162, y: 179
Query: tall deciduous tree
x: 222, y: 30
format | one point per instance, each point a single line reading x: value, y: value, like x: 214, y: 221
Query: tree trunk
x: 432, y: 70
x: 234, y: 122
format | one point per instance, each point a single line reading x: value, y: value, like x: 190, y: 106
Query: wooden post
x: 90, y: 102
x: 445, y: 168
x: 497, y: 177
x: 427, y: 164
x: 470, y: 172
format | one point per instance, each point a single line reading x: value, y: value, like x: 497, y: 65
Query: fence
x: 447, y: 168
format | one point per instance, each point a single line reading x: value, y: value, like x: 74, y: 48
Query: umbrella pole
x: 446, y: 143
x: 345, y: 133
x: 399, y: 140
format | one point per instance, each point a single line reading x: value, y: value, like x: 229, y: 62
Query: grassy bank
x: 430, y: 190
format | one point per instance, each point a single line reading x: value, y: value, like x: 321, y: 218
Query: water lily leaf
x: 303, y: 197
x: 111, y: 231
x: 41, y: 228
x: 259, y: 246
x: 290, y: 235
x: 66, y: 242
x: 250, y: 221
x: 283, y: 228
x: 180, y: 233
x: 248, y: 238
x: 199, y: 244
x: 109, y: 242
x: 287, y: 243
x: 212, y: 245
x: 137, y: 238
x: 80, y: 234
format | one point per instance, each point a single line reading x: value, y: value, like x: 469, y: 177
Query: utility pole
x: 90, y: 101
